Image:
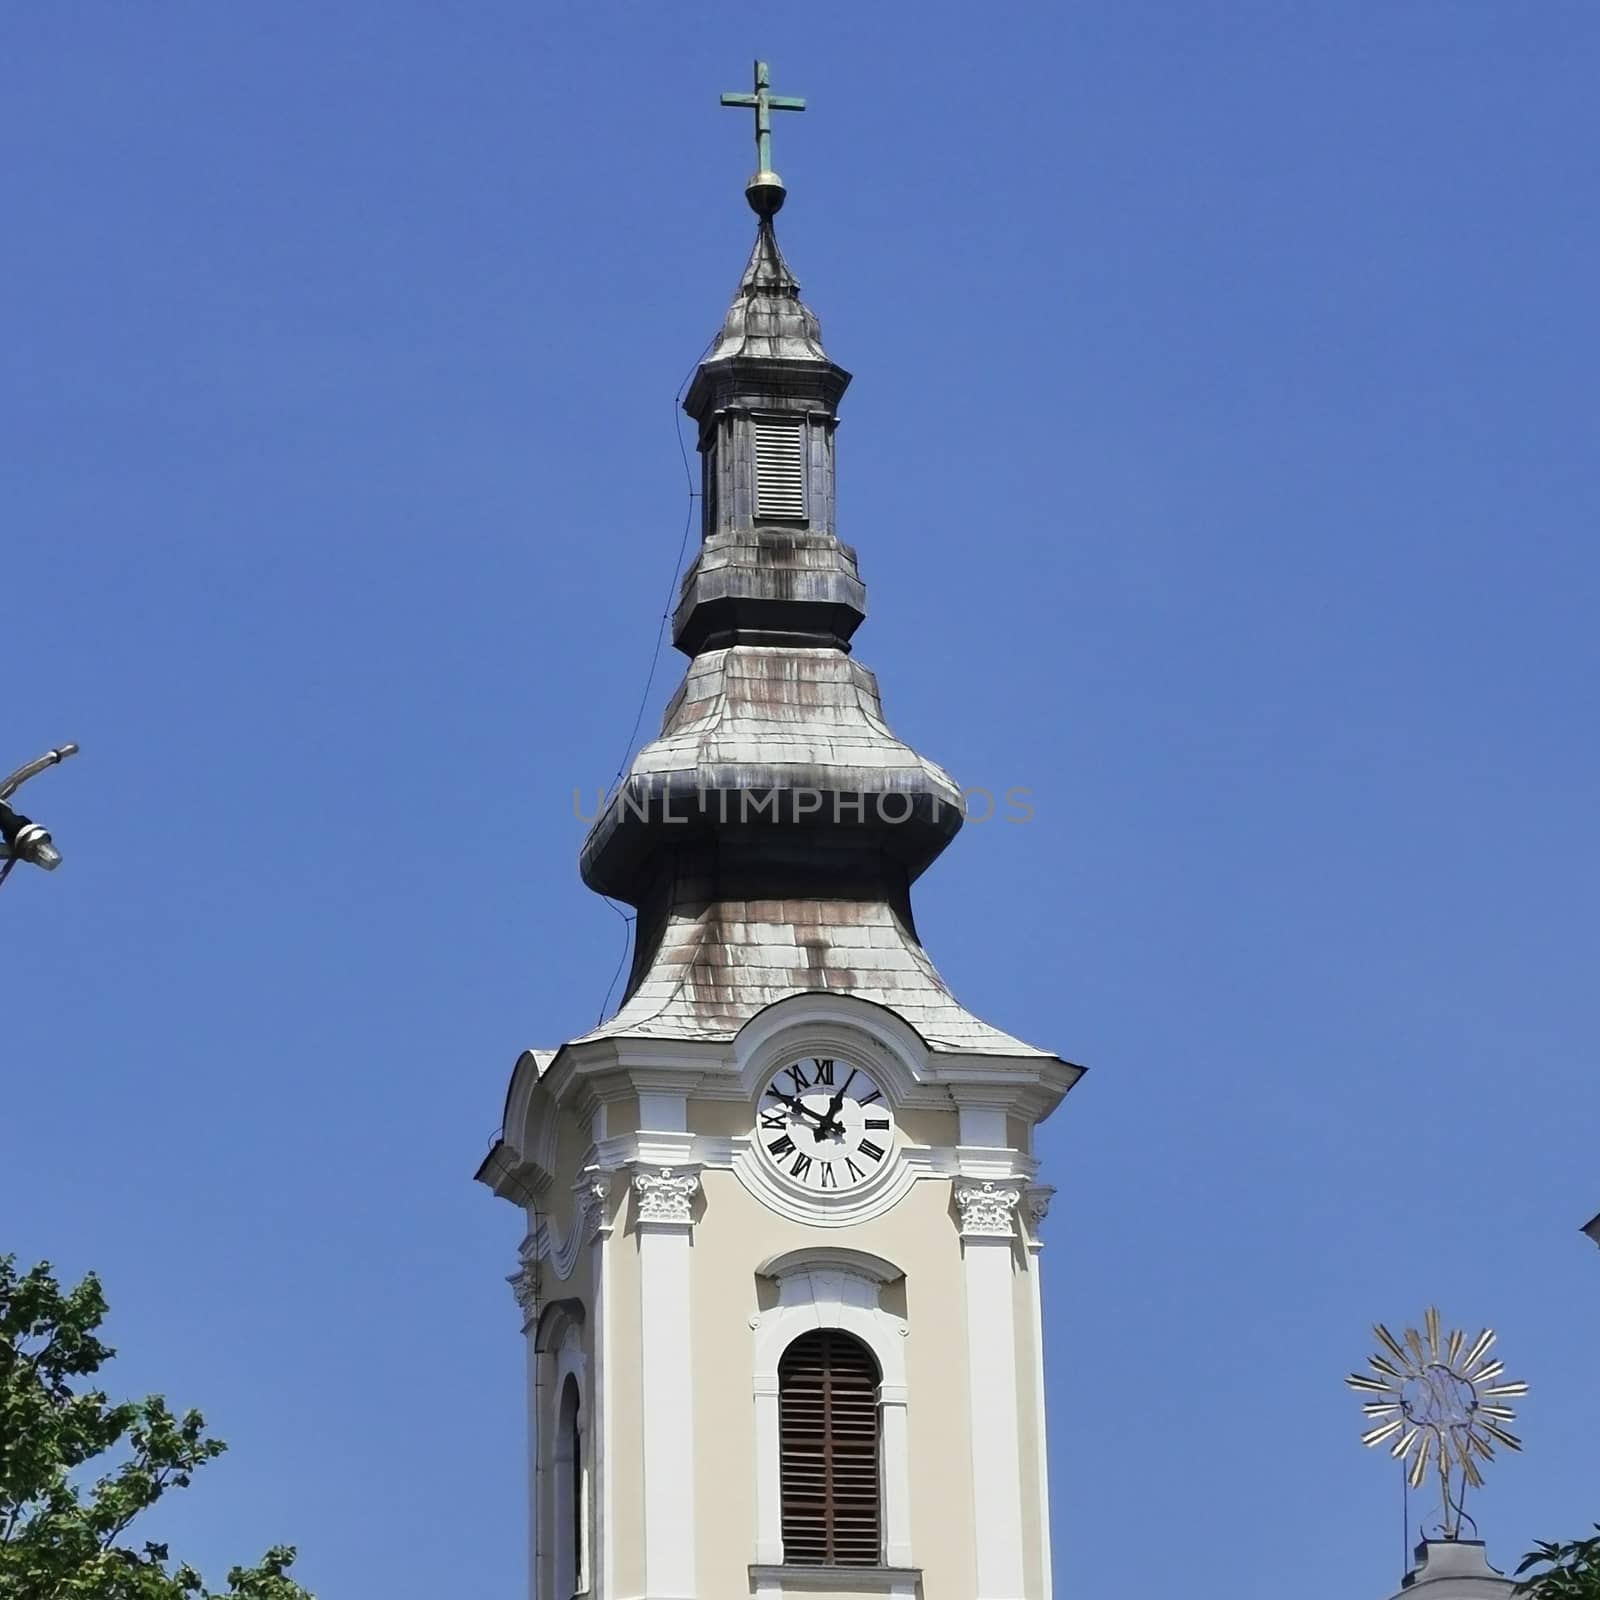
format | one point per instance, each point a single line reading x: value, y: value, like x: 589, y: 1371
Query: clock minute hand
x: 795, y: 1104
x: 830, y: 1120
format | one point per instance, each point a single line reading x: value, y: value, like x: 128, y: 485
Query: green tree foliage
x: 1571, y: 1571
x: 75, y: 1470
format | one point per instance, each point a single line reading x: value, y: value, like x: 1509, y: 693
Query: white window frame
x: 824, y: 1287
x: 570, y: 1362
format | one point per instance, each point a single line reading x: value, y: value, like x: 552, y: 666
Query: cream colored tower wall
x: 727, y: 1234
x: 918, y: 1236
x: 734, y: 1234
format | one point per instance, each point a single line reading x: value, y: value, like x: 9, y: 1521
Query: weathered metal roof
x: 751, y: 585
x: 722, y: 962
x: 750, y: 720
x: 737, y: 912
x: 768, y: 320
x: 751, y: 717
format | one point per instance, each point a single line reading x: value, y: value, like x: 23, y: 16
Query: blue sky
x: 1222, y: 463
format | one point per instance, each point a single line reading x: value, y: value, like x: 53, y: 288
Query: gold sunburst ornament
x: 1436, y: 1401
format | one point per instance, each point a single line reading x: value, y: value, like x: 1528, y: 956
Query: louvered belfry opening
x: 828, y: 1438
x: 780, y: 468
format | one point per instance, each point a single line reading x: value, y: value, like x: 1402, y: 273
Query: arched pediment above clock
x: 820, y: 1024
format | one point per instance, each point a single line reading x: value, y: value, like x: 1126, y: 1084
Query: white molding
x: 666, y: 1353
x: 992, y: 1400
x: 591, y: 1194
x: 825, y: 1287
x: 601, y: 1572
x: 775, y: 1582
x: 733, y: 1152
x: 525, y: 1284
x: 825, y: 1024
x: 987, y: 1210
x: 569, y: 1361
x: 1000, y: 1164
x: 535, y: 1485
x: 830, y: 1208
x: 837, y: 1258
x: 1035, y: 1208
x: 663, y: 1110
x: 664, y: 1197
x: 1037, y: 1202
x: 982, y: 1125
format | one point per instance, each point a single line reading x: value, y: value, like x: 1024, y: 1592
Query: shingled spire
x: 776, y: 783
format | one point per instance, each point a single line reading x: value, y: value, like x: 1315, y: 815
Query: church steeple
x: 775, y: 775
x: 771, y: 569
x: 780, y: 1282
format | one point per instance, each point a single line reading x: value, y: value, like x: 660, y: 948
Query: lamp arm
x: 50, y: 758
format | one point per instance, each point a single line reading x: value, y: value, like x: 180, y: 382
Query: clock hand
x: 830, y: 1121
x: 795, y: 1104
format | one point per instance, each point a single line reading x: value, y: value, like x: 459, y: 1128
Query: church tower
x: 780, y: 1283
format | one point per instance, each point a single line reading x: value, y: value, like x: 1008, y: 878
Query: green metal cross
x: 764, y: 103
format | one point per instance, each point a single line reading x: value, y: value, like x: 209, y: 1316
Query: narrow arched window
x: 571, y: 1496
x: 828, y: 1442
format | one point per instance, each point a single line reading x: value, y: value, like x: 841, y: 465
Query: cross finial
x: 765, y: 190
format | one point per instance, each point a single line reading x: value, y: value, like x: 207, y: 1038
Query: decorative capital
x: 525, y: 1287
x: 1036, y: 1204
x: 986, y: 1210
x: 593, y: 1189
x: 666, y: 1195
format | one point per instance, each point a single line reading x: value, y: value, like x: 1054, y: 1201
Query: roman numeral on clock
x: 824, y: 1071
x: 776, y: 1120
x: 869, y: 1149
x: 828, y: 1179
x: 880, y: 1123
x: 797, y: 1074
x: 867, y: 1099
x: 802, y: 1165
x: 781, y: 1147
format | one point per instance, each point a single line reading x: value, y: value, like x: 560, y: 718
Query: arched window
x: 828, y: 1452
x: 571, y: 1496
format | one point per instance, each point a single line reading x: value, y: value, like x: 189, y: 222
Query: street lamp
x: 21, y: 838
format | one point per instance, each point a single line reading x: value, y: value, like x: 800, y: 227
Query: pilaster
x: 525, y: 1287
x: 596, y: 1194
x: 1035, y: 1207
x: 663, y: 1217
x: 986, y: 1212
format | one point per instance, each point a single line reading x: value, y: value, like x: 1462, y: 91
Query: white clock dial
x: 824, y: 1124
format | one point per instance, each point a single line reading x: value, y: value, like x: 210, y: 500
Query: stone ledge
x: 768, y: 1580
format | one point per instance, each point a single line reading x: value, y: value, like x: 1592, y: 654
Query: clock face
x: 824, y: 1124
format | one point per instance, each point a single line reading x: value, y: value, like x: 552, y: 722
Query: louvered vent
x: 828, y: 1433
x: 780, y: 469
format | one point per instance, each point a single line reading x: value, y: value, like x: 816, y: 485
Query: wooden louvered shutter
x: 780, y: 469
x: 828, y: 1438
